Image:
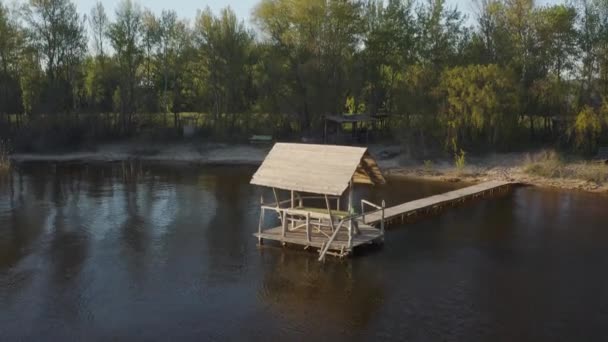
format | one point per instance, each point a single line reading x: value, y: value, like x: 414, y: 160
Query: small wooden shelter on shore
x: 353, y: 128
x: 316, y: 178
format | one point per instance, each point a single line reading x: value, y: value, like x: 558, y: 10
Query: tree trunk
x: 531, y: 128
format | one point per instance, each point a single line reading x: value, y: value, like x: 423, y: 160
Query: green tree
x: 442, y: 34
x: 11, y: 50
x: 174, y: 40
x: 492, y: 36
x: 150, y: 32
x: 390, y: 44
x: 100, y: 76
x: 98, y: 21
x: 480, y: 105
x: 125, y: 35
x: 57, y: 32
x: 556, y: 31
x: 224, y: 46
x: 555, y: 28
x: 316, y: 41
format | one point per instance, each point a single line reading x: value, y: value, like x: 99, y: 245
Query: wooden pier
x: 341, y: 243
x: 437, y: 202
x: 314, y: 174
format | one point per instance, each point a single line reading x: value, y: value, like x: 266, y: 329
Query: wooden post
x: 276, y: 197
x: 331, y: 220
x: 325, y: 132
x: 293, y: 223
x: 261, y: 223
x: 350, y: 234
x: 308, y: 227
x: 350, y: 196
x: 278, y: 205
x: 284, y: 223
x: 351, y: 208
x: 382, y: 218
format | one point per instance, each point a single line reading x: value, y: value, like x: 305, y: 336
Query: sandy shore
x: 191, y: 153
x: 509, y: 166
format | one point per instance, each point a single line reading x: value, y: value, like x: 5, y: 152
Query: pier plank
x: 436, y: 200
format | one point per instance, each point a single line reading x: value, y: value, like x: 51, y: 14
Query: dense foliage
x: 515, y: 74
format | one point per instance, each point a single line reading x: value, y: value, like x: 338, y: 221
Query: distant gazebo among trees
x: 353, y: 128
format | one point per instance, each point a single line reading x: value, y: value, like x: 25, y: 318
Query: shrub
x: 546, y: 164
x: 549, y: 164
x: 460, y: 159
x: 588, y: 128
x: 428, y: 165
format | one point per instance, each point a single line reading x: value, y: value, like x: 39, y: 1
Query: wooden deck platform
x: 368, y: 235
x: 437, y: 201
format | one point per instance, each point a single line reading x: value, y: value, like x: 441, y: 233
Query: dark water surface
x: 151, y: 253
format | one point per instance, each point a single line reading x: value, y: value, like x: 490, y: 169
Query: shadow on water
x: 229, y: 230
x: 68, y: 235
x: 18, y: 232
x: 21, y: 220
x: 134, y: 234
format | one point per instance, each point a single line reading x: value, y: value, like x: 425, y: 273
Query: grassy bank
x: 545, y: 168
x: 552, y: 165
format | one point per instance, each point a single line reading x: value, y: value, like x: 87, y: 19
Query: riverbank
x: 195, y: 153
x: 526, y: 168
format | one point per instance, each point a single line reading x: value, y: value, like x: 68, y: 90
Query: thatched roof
x: 319, y: 169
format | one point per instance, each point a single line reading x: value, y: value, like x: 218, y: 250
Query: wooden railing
x: 302, y: 199
x: 322, y: 219
x: 378, y: 209
x: 350, y: 219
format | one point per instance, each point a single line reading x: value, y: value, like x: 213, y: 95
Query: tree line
x: 514, y: 73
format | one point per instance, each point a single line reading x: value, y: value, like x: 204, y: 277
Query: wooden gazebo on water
x: 316, y: 177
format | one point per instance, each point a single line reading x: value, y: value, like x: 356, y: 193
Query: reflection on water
x: 151, y: 252
x: 337, y: 295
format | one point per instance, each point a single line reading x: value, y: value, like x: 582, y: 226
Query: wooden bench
x: 260, y: 139
x: 319, y: 218
x: 319, y: 213
x: 602, y: 155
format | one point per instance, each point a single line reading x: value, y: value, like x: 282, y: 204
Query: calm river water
x: 104, y: 252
